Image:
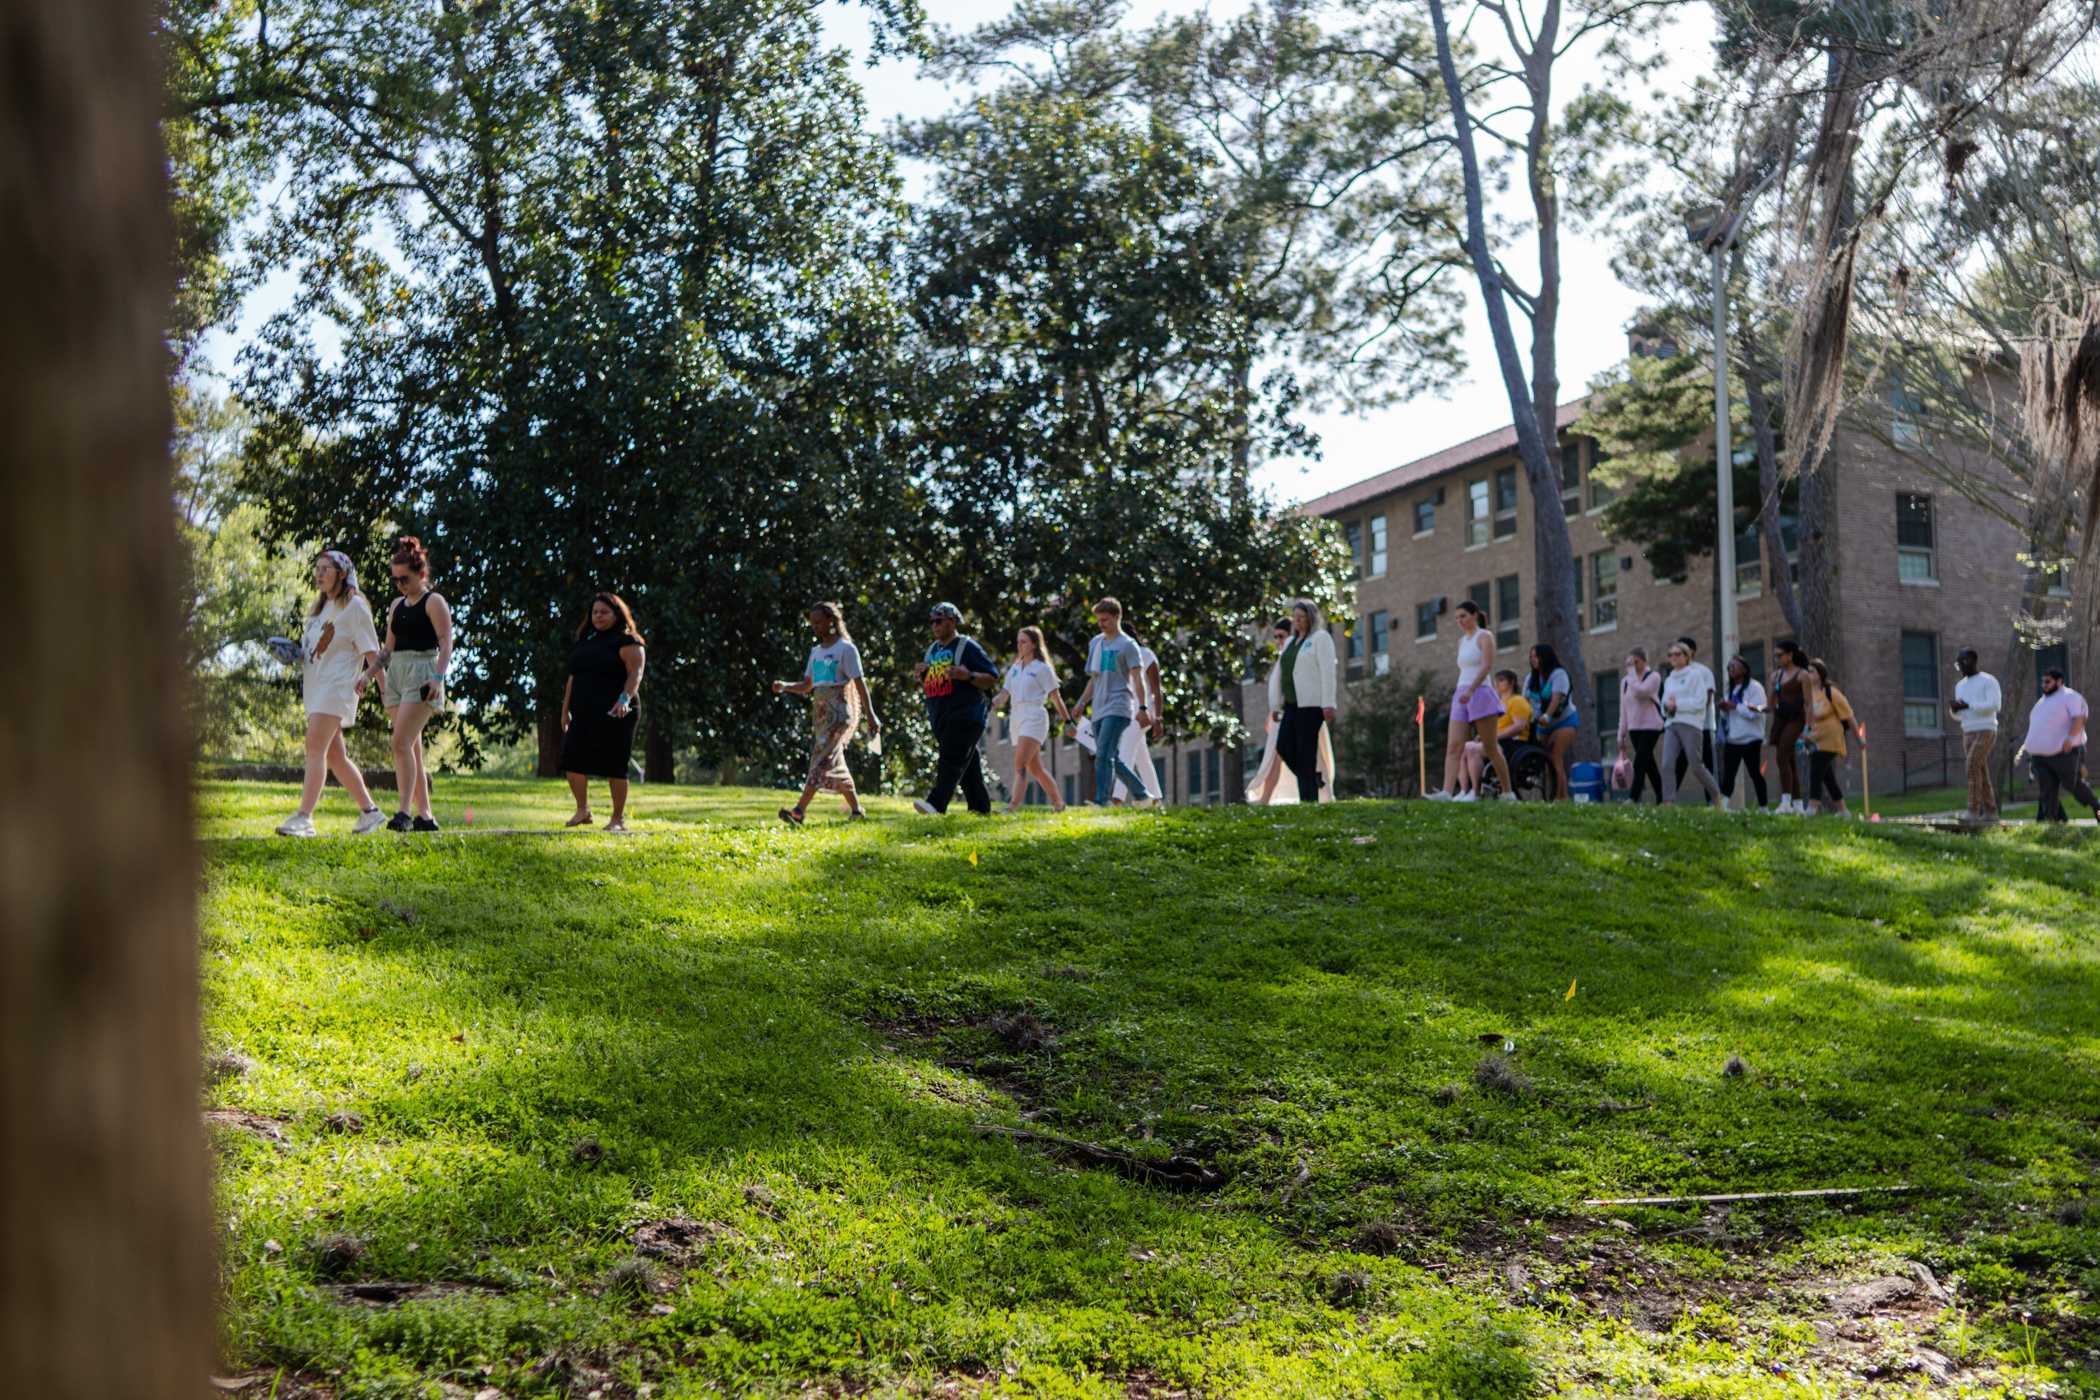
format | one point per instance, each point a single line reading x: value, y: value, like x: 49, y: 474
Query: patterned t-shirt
x: 834, y: 663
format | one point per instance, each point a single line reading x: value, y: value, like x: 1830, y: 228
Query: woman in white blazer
x: 1301, y: 697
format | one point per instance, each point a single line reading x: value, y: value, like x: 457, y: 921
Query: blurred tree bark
x: 105, y: 1270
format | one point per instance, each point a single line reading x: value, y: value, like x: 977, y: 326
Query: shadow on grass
x: 723, y: 1010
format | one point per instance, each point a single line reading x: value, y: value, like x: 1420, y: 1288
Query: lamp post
x: 1714, y: 230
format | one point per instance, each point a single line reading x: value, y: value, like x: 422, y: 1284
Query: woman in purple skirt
x: 1475, y: 707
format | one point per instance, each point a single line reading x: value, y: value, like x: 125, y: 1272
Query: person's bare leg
x: 347, y: 773
x: 422, y: 781
x: 408, y: 720
x: 1047, y: 783
x: 619, y: 797
x: 1557, y: 749
x: 1454, y: 753
x: 320, y: 733
x: 851, y: 796
x: 580, y: 788
x: 1475, y: 764
x: 1268, y: 784
x: 1025, y: 751
x: 1491, y: 745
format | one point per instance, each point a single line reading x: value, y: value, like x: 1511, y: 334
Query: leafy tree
x: 1377, y: 739
x: 1076, y: 306
x: 239, y: 587
x: 608, y: 305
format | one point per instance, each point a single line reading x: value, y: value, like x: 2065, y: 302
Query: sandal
x: 580, y: 819
x: 791, y: 816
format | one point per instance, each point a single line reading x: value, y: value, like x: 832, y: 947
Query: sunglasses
x: 403, y: 578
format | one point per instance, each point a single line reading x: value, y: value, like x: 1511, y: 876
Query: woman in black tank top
x: 418, y: 651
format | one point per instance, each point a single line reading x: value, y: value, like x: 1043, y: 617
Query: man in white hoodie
x: 1976, y: 701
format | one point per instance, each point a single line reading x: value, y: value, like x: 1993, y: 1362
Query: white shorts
x: 1032, y: 723
x: 331, y: 690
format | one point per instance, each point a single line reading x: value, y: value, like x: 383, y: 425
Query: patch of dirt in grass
x: 270, y: 1129
x: 677, y: 1240
x: 382, y: 1293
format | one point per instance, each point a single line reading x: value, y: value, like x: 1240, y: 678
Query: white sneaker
x: 296, y: 825
x: 924, y: 808
x: 1467, y: 796
x: 368, y: 822
x: 1509, y: 797
x: 1438, y: 796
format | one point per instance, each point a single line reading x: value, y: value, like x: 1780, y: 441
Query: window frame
x: 1603, y: 607
x: 1426, y: 610
x: 1353, y: 536
x: 1505, y: 515
x: 1380, y: 625
x: 1918, y: 704
x: 1929, y: 552
x: 1480, y: 514
x: 1511, y: 621
x: 1376, y: 539
x: 1427, y: 503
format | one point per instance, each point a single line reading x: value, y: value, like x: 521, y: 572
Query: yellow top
x: 1516, y: 714
x: 1833, y: 712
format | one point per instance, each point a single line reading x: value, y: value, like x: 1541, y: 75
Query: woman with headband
x: 341, y: 648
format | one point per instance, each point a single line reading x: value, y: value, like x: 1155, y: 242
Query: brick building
x: 1921, y: 571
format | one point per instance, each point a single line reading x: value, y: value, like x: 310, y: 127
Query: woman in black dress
x: 598, y: 707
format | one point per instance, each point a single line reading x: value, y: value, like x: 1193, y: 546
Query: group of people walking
x: 343, y: 652
x: 1673, y: 719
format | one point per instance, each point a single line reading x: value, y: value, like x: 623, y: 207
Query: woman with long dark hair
x: 1742, y: 707
x: 341, y: 649
x: 1476, y: 710
x: 1553, y: 716
x: 598, y: 706
x: 1829, y: 719
x: 1789, y: 717
x: 418, y: 652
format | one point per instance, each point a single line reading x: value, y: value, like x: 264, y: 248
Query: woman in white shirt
x: 1031, y: 683
x: 1687, y: 691
x: 342, y: 649
x: 1743, y: 730
x: 1302, y: 697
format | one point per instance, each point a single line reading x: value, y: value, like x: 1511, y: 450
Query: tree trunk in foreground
x: 106, y: 1282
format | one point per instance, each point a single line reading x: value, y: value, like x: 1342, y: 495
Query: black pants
x: 1298, y: 747
x: 2057, y: 774
x: 1644, y: 770
x: 1706, y: 756
x: 1822, y: 778
x: 958, y: 733
x: 1744, y: 756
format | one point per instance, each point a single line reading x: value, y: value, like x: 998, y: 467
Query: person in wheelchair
x: 1513, y: 728
x: 1530, y: 765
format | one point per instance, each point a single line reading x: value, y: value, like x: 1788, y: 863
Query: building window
x: 1377, y: 546
x: 1571, y: 479
x: 1600, y: 494
x: 1425, y: 515
x: 1914, y: 552
x: 1425, y: 619
x: 1482, y: 596
x: 1749, y: 563
x: 1353, y: 534
x: 1353, y: 649
x: 1195, y: 776
x: 1604, y: 590
x: 1921, y: 683
x: 1477, y: 513
x: 1381, y: 634
x: 1211, y: 770
x: 1906, y: 416
x: 1753, y: 654
x: 1505, y: 502
x: 1607, y: 703
x: 1507, y: 608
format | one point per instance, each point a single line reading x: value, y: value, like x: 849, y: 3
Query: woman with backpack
x: 1830, y: 716
x: 417, y: 654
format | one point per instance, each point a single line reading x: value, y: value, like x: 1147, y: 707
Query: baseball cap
x: 947, y: 610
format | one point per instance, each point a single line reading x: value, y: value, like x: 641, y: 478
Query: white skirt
x: 332, y: 690
x: 1031, y: 722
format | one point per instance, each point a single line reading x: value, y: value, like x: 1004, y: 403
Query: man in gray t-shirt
x: 1113, y: 675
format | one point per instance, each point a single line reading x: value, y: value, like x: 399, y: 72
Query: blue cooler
x: 1586, y: 782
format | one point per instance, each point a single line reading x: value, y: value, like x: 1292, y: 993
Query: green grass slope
x: 718, y: 1107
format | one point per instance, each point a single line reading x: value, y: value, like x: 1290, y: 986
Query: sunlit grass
x: 794, y: 1037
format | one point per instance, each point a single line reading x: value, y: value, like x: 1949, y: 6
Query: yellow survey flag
x: 973, y: 857
x: 1571, y: 991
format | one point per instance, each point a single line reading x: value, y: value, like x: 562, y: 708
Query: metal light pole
x: 1724, y: 462
x: 1714, y: 230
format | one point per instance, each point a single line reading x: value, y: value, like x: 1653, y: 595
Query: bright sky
x: 1594, y: 307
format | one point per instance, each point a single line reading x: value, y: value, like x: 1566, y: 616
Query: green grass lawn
x: 704, y: 1109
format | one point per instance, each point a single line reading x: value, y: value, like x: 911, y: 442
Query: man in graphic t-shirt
x: 1115, y: 684
x: 956, y: 676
